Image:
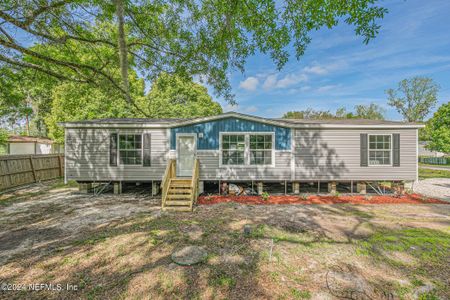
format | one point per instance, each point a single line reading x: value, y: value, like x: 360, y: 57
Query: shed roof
x: 29, y: 139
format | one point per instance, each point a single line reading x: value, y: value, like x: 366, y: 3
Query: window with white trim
x: 130, y: 149
x: 380, y: 149
x: 261, y: 149
x: 233, y: 149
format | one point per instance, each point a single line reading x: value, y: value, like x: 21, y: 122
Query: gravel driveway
x: 434, y: 187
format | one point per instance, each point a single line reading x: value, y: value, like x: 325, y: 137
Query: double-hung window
x: 247, y: 149
x: 130, y: 149
x: 233, y: 149
x: 261, y: 149
x: 380, y: 149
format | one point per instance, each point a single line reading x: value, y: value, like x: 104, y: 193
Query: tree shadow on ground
x: 131, y: 257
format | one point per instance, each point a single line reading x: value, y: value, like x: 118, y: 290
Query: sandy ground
x: 434, y: 187
x: 119, y: 247
x: 61, y: 214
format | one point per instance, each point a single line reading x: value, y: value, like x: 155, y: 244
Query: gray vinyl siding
x: 319, y: 154
x: 334, y: 154
x: 87, y: 156
x: 210, y: 169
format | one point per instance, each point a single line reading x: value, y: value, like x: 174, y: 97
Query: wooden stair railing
x: 194, y: 182
x: 179, y: 194
x: 165, y: 184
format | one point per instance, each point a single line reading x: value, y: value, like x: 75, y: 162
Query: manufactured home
x: 186, y: 153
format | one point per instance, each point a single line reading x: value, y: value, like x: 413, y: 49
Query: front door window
x: 186, y: 155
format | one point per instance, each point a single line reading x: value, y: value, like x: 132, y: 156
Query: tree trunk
x: 28, y: 123
x: 122, y: 46
x: 123, y: 55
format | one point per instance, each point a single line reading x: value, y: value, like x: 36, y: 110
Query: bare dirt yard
x: 74, y: 246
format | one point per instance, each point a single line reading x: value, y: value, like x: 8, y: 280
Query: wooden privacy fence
x: 16, y: 170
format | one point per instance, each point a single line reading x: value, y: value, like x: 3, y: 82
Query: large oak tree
x: 414, y: 98
x: 207, y: 38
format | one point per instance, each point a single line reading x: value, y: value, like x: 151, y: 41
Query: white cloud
x: 291, y: 79
x: 249, y: 84
x: 270, y: 82
x: 316, y: 70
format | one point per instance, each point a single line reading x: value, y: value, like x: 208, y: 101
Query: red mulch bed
x: 317, y: 199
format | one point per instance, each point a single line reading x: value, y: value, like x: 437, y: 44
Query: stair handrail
x: 168, y: 175
x: 194, y: 182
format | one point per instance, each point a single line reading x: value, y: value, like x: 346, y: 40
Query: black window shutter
x: 363, y: 149
x: 147, y: 151
x: 396, y: 150
x: 113, y: 149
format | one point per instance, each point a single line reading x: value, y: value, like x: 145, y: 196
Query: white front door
x: 186, y: 155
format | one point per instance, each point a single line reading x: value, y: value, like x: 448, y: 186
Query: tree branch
x: 5, y: 33
x: 39, y: 68
x: 32, y: 17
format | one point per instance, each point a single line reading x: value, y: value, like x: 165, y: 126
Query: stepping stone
x: 189, y: 256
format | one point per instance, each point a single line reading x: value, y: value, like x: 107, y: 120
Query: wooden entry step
x: 179, y: 194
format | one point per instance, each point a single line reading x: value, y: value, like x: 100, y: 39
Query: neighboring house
x: 18, y: 144
x: 238, y: 147
x: 423, y: 151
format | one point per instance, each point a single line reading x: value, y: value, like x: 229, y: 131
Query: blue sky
x: 338, y: 69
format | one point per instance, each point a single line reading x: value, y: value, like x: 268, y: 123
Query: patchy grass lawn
x: 114, y: 247
x: 429, y: 173
x: 436, y: 165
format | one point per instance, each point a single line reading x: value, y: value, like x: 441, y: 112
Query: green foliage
x: 439, y: 129
x: 55, y: 102
x: 74, y: 102
x: 414, y: 98
x: 73, y: 71
x: 298, y: 294
x: 3, y: 139
x: 428, y: 296
x: 265, y: 196
x: 187, y: 38
x: 309, y: 114
x: 425, y: 133
x: 371, y: 111
x: 177, y: 97
x: 221, y: 279
x: 429, y: 173
x: 3, y: 136
x: 429, y: 245
x: 169, y: 97
x: 15, y: 95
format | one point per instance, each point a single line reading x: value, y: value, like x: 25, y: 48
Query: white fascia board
x: 354, y: 126
x: 300, y: 126
x: 233, y: 114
